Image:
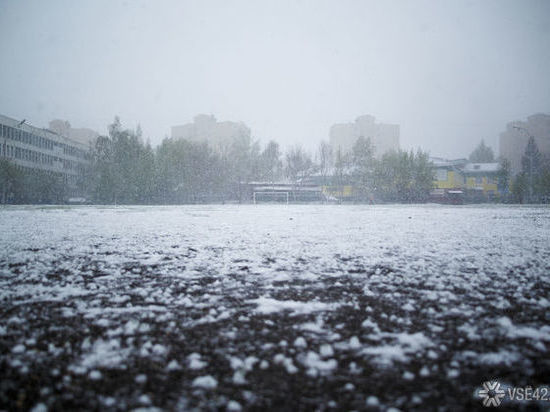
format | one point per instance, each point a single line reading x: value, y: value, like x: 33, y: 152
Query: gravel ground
x: 272, y: 307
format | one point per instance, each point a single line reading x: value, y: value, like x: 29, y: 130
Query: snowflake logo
x: 491, y: 394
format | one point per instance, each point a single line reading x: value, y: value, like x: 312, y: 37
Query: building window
x: 441, y: 175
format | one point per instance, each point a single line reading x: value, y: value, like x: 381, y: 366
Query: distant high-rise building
x: 81, y: 135
x: 514, y: 140
x: 205, y: 128
x: 383, y: 136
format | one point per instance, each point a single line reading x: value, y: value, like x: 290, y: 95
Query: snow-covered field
x: 271, y: 307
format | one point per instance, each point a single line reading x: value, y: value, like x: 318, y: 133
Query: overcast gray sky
x: 449, y: 72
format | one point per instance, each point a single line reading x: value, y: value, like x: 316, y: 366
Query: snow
x: 517, y: 331
x: 205, y: 382
x: 372, y: 401
x: 315, y: 364
x: 105, y: 353
x: 95, y: 375
x: 240, y: 299
x: 408, y: 376
x: 173, y: 365
x: 140, y: 378
x: 267, y: 305
x: 195, y: 361
x: 326, y: 350
x: 288, y: 364
x: 300, y: 342
x: 39, y: 408
x: 234, y: 406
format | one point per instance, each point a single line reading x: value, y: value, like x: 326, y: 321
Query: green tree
x: 298, y: 164
x: 10, y: 179
x: 122, y: 167
x: 271, y: 164
x: 102, y: 171
x: 324, y: 161
x: 531, y: 165
x: 423, y: 176
x: 362, y: 165
x: 520, y: 188
x: 503, y: 175
x: 404, y: 176
x: 482, y: 154
x: 341, y: 175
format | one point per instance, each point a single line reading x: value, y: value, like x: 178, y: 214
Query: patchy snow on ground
x: 271, y: 306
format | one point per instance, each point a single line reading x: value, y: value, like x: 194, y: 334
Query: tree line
x: 125, y: 169
x: 531, y: 184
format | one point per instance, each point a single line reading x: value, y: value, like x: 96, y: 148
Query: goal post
x: 275, y: 197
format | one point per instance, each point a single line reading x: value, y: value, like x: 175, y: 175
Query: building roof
x: 50, y: 134
x: 481, y: 167
x: 440, y: 162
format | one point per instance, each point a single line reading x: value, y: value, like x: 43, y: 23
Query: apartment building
x: 384, y: 137
x: 513, y: 141
x: 206, y: 129
x: 33, y: 148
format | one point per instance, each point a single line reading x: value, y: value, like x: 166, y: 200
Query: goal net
x: 271, y: 197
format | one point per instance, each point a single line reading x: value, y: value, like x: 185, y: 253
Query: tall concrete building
x: 383, y: 136
x: 30, y: 147
x: 80, y: 135
x: 514, y: 140
x: 205, y: 128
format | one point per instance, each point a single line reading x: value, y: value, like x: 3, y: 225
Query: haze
x: 449, y: 72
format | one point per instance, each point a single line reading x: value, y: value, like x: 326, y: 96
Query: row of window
x: 22, y: 136
x: 442, y: 175
x: 489, y: 180
x: 68, y: 178
x: 73, y: 151
x: 72, y: 165
x: 28, y: 155
x: 25, y: 137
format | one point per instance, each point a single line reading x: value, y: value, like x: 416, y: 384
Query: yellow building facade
x: 474, y: 180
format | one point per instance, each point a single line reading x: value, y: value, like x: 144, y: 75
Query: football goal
x: 271, y: 197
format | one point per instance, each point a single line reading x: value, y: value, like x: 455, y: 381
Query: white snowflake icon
x: 491, y: 394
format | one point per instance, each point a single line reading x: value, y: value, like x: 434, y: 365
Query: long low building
x: 33, y: 148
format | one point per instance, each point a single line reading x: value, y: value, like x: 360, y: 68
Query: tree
x: 243, y: 161
x: 362, y: 163
x: 341, y: 171
x: 324, y: 160
x: 146, y: 174
x: 122, y: 167
x: 102, y: 171
x: 519, y: 187
x: 531, y: 165
x: 298, y: 164
x: 404, y: 176
x: 9, y: 179
x: 503, y: 175
x: 482, y: 154
x: 423, y: 176
x: 543, y: 186
x: 271, y: 164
